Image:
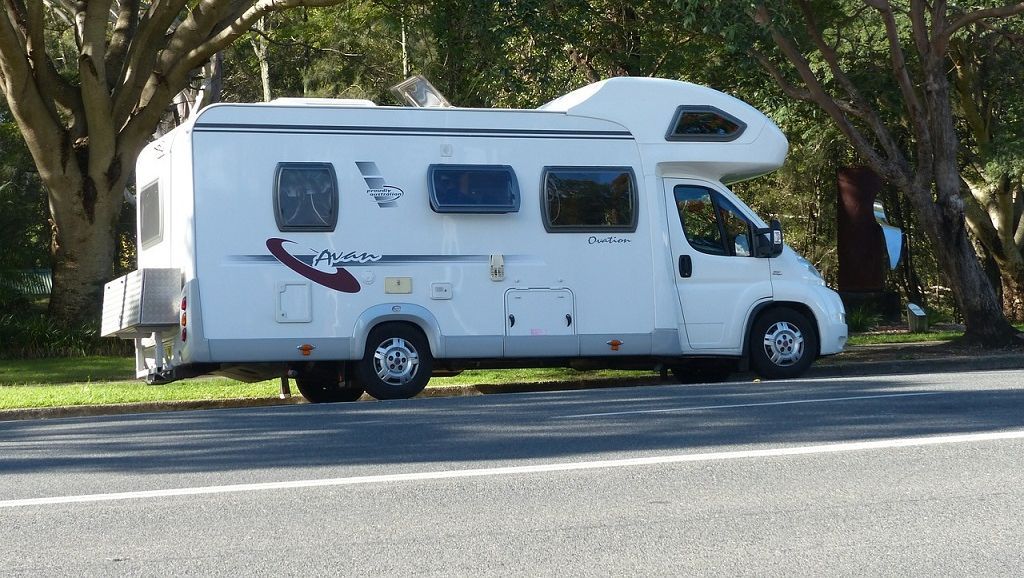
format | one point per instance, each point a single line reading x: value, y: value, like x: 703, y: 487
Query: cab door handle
x: 685, y: 266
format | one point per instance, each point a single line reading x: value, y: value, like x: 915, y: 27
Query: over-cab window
x: 150, y: 221
x: 704, y: 123
x: 473, y: 189
x: 306, y: 197
x: 711, y: 223
x: 589, y: 199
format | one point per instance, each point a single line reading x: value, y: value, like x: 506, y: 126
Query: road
x: 908, y: 475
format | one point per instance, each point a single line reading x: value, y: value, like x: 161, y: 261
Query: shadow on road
x: 432, y: 432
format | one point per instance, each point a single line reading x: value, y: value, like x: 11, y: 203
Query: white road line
x: 738, y: 405
x: 519, y: 470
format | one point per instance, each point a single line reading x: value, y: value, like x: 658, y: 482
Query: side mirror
x: 768, y: 242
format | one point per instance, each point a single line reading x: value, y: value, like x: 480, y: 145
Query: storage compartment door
x: 540, y: 323
x: 294, y: 302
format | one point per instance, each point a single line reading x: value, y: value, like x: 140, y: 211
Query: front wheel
x: 396, y: 364
x: 783, y: 344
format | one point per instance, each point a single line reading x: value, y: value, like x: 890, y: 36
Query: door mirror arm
x: 768, y: 242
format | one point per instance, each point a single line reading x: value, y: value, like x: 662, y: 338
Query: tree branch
x: 42, y: 130
x: 866, y: 111
x: 92, y: 32
x: 895, y: 167
x: 52, y: 87
x: 582, y: 64
x: 972, y: 17
x: 1018, y: 215
x: 201, y: 35
x: 965, y: 80
x: 911, y: 99
x: 143, y: 51
x: 62, y: 9
x: 980, y: 224
x: 124, y: 30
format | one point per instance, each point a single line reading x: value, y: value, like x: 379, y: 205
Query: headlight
x: 815, y: 275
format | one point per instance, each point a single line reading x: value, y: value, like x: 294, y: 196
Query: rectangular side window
x: 473, y: 189
x: 150, y: 221
x: 589, y: 199
x: 306, y: 197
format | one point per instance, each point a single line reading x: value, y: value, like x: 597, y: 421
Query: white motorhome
x: 358, y: 247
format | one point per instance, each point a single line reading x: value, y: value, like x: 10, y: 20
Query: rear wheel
x: 322, y: 383
x: 783, y: 344
x: 396, y: 364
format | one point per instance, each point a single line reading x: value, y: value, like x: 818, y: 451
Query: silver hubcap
x: 396, y: 361
x: 783, y: 343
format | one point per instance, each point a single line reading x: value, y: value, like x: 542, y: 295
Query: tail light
x: 184, y: 319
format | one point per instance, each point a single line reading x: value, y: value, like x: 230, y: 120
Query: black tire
x: 703, y: 370
x: 783, y: 344
x: 322, y: 383
x: 396, y: 364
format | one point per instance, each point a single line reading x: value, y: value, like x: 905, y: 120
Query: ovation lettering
x: 594, y: 240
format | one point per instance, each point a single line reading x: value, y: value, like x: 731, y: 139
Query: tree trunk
x: 83, y: 253
x: 83, y: 242
x: 261, y: 48
x: 1013, y: 294
x: 944, y: 218
x: 972, y: 290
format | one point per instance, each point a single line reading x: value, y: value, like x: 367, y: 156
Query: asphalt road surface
x: 907, y: 475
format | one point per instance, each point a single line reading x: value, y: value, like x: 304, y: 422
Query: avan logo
x: 386, y: 195
x: 339, y: 280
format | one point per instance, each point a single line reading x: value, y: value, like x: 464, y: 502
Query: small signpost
x: 917, y: 319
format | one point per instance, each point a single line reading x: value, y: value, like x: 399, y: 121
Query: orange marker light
x: 615, y: 343
x: 306, y: 349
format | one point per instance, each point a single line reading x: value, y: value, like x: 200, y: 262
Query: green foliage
x: 352, y: 50
x: 29, y: 334
x: 861, y: 319
x: 24, y: 230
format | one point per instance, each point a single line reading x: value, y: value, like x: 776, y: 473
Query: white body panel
x: 572, y: 294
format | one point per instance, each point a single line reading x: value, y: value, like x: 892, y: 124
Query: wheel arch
x: 415, y: 315
x: 762, y: 308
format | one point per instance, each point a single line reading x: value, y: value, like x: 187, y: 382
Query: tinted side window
x: 737, y: 228
x: 704, y: 123
x: 589, y: 199
x: 473, y: 189
x: 711, y: 223
x: 150, y: 229
x: 306, y: 197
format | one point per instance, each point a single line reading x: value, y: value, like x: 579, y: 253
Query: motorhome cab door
x: 718, y: 280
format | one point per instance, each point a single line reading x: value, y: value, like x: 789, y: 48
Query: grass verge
x: 904, y: 337
x: 36, y: 396
x: 102, y: 380
x: 54, y: 382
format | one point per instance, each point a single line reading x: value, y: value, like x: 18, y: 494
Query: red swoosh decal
x: 340, y: 280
